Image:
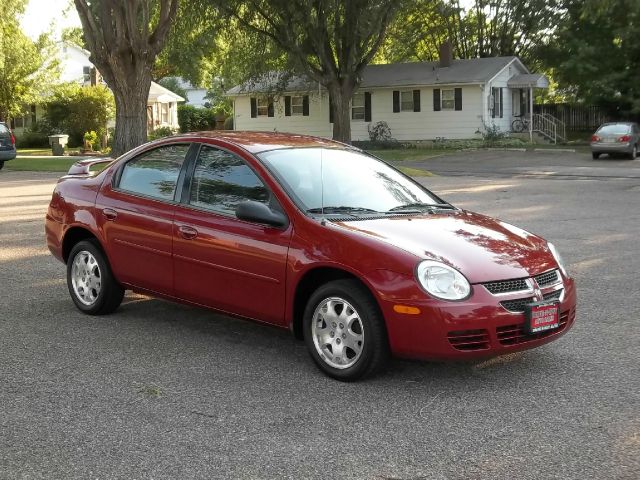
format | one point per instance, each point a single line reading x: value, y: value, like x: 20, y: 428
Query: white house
x: 196, y: 96
x: 162, y: 106
x: 451, y: 99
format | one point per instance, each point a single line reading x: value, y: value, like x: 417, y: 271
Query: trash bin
x: 58, y: 142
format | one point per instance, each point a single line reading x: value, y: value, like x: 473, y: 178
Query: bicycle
x: 521, y: 124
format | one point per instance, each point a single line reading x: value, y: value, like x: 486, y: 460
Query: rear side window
x: 222, y: 180
x: 155, y: 173
x: 3, y: 128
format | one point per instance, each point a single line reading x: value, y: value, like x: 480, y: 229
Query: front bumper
x: 477, y: 328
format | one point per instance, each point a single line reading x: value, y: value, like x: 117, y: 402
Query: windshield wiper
x: 419, y: 207
x: 341, y: 209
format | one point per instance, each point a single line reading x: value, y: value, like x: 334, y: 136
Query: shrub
x: 193, y: 119
x: 31, y: 139
x: 161, y: 132
x: 380, y: 132
x: 228, y: 123
x: 492, y: 134
x: 74, y: 110
x: 90, y: 139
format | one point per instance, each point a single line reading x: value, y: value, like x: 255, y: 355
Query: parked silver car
x: 616, y: 138
x: 7, y: 144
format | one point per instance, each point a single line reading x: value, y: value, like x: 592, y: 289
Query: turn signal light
x: 624, y: 138
x: 406, y: 309
x: 595, y: 138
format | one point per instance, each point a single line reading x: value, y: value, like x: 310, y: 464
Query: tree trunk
x: 131, y: 114
x: 341, y: 103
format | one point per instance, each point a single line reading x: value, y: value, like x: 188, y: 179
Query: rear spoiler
x: 83, y: 167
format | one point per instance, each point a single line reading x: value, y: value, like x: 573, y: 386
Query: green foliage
x: 161, y: 132
x: 172, y: 83
x: 492, y: 134
x: 380, y: 132
x: 90, y: 139
x: 74, y: 35
x: 32, y: 139
x: 27, y: 68
x: 228, y: 123
x: 74, y: 110
x: 193, y: 119
x: 595, y: 54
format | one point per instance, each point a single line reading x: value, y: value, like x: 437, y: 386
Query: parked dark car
x: 7, y: 144
x: 312, y: 235
x: 617, y: 138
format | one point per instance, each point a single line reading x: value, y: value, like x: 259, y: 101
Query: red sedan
x: 312, y: 235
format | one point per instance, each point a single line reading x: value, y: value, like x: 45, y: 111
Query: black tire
x: 595, y: 155
x: 110, y: 293
x: 517, y: 126
x: 375, y: 351
x: 1, y: 164
x: 634, y: 153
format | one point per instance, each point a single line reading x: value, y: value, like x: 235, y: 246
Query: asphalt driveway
x: 159, y: 390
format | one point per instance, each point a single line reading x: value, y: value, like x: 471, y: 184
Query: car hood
x: 482, y: 248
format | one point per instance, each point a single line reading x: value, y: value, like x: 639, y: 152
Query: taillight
x: 624, y: 138
x: 595, y: 138
x: 13, y: 139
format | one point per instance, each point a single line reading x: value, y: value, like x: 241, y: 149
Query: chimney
x: 446, y: 54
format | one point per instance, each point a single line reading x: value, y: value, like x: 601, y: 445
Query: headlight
x: 559, y: 260
x: 442, y: 281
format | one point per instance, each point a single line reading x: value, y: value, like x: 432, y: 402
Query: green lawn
x: 41, y: 164
x: 41, y: 152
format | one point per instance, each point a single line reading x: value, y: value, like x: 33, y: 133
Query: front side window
x: 357, y: 107
x: 448, y: 99
x: 154, y: 173
x: 297, y: 105
x: 333, y: 178
x: 406, y: 101
x: 222, y: 180
x: 263, y: 106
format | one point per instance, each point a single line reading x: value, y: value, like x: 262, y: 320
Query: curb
x: 554, y: 150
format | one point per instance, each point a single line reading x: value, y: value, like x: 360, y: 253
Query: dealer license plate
x: 542, y: 316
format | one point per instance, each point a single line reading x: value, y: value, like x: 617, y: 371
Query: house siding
x: 426, y: 124
x: 500, y: 81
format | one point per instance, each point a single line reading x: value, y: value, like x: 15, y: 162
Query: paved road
x: 159, y: 390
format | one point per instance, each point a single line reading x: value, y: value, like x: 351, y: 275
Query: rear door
x: 219, y: 260
x: 136, y: 212
x: 5, y: 138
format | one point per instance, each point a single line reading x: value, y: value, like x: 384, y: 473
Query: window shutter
x: 492, y: 105
x: 416, y: 100
x: 254, y: 107
x: 436, y: 99
x: 396, y: 101
x: 501, y: 102
x: 367, y: 106
x: 330, y: 110
x: 305, y: 105
x: 270, y: 111
x: 287, y: 106
x: 458, y: 98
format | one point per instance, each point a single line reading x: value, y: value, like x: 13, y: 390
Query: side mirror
x: 257, y: 212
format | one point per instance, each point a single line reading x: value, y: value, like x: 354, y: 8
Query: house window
x: 496, y: 93
x: 263, y: 107
x: 357, y: 107
x: 86, y: 74
x: 297, y: 105
x: 165, y: 109
x: 406, y: 101
x: 448, y: 99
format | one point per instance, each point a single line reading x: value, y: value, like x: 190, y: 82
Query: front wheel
x: 517, y: 126
x: 595, y: 155
x: 91, y: 284
x: 344, y: 331
x: 1, y: 164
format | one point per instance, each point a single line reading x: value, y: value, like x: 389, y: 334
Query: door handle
x: 188, y: 233
x: 109, y: 214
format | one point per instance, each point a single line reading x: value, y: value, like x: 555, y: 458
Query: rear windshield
x: 3, y: 128
x: 614, y: 129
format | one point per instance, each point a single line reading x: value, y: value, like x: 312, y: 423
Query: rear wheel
x: 1, y: 164
x: 345, y: 331
x: 595, y: 155
x: 91, y: 284
x: 634, y: 152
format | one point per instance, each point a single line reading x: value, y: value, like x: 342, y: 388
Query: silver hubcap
x: 337, y: 332
x: 86, y: 278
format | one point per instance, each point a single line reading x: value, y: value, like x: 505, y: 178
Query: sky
x: 41, y: 15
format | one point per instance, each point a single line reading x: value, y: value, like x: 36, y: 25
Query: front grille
x: 555, y: 295
x: 517, y: 305
x: 516, y: 334
x: 506, y: 286
x: 469, y: 340
x: 548, y: 278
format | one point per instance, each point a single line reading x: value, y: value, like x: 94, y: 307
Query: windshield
x: 353, y: 182
x: 617, y: 129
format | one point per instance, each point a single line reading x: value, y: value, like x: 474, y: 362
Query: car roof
x: 256, y: 142
x: 617, y: 123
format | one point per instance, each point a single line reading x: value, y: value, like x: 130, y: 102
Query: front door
x: 221, y: 261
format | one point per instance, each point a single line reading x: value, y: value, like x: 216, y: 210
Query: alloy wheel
x: 86, y: 277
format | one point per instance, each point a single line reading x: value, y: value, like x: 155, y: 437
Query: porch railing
x: 549, y: 127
